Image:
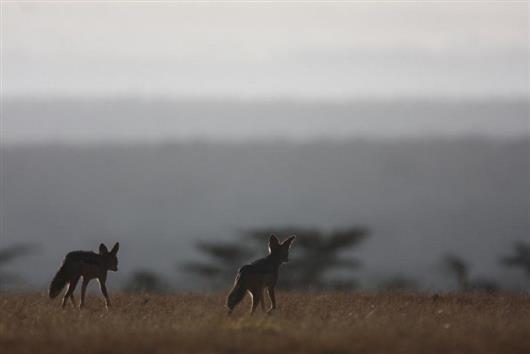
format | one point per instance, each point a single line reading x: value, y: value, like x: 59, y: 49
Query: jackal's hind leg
x: 72, y: 299
x: 83, y: 291
x: 256, y: 299
x: 63, y: 303
x: 262, y: 302
x: 272, y: 297
x: 70, y: 291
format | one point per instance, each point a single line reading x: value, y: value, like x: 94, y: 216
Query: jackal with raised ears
x: 262, y: 274
x: 88, y: 265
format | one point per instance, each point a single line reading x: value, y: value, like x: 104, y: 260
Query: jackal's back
x: 86, y: 257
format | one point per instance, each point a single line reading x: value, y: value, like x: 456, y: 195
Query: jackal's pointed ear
x: 115, y: 249
x: 273, y: 243
x: 289, y: 241
x: 103, y: 249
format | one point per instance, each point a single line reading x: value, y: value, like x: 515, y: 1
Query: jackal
x: 260, y: 275
x: 88, y: 265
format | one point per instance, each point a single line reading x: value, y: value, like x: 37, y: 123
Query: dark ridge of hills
x: 421, y: 198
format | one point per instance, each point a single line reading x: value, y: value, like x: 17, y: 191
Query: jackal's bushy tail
x: 236, y: 294
x: 59, y: 281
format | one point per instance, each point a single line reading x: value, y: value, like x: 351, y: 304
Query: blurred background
x: 392, y: 138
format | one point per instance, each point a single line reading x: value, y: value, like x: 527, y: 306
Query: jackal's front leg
x: 103, y: 288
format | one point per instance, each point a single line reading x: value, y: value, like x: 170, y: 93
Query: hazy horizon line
x: 269, y: 99
x: 269, y: 141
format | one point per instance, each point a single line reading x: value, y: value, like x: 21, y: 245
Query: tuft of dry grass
x: 304, y: 323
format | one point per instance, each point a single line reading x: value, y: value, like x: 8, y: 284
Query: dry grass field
x: 304, y: 323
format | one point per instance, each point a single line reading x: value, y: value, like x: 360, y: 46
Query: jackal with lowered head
x: 88, y: 265
x: 260, y: 275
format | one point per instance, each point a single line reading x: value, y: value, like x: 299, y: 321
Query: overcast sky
x: 262, y: 50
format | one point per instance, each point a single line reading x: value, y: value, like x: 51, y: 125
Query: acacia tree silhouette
x: 398, y: 283
x: 222, y: 260
x: 143, y: 280
x: 317, y: 260
x: 8, y: 255
x: 460, y: 269
x: 520, y: 258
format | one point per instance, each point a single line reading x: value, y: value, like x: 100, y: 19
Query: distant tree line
x: 322, y: 261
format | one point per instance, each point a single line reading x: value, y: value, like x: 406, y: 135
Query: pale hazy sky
x: 260, y: 50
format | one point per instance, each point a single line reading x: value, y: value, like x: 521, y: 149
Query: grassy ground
x: 304, y: 323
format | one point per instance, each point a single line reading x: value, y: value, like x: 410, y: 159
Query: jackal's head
x: 110, y: 258
x: 278, y: 250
